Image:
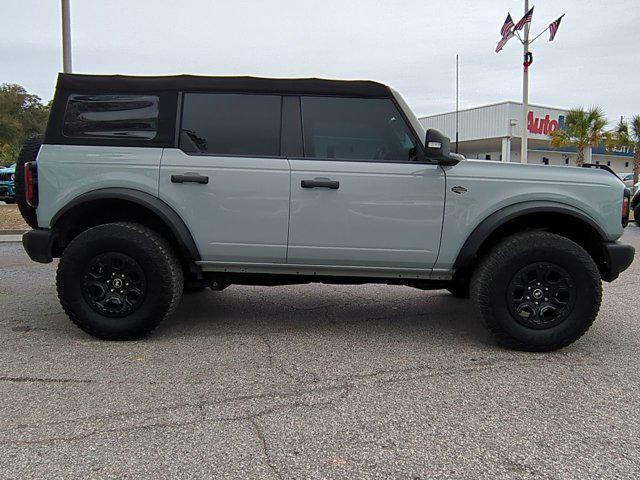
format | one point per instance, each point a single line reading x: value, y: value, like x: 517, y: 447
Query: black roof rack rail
x: 602, y: 167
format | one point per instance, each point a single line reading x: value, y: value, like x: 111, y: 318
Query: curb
x: 10, y: 238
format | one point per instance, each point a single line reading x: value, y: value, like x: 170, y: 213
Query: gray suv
x: 147, y: 186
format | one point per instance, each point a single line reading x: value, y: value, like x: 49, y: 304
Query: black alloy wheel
x: 114, y: 284
x: 541, y: 295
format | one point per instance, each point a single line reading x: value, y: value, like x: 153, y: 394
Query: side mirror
x: 438, y: 147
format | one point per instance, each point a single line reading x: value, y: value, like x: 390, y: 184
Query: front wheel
x: 118, y: 281
x: 537, y: 291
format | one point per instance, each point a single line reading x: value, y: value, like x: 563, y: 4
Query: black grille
x: 5, y: 177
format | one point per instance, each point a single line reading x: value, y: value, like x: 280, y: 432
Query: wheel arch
x: 554, y: 217
x: 118, y: 204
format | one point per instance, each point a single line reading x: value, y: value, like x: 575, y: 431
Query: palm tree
x: 583, y: 129
x: 627, y: 135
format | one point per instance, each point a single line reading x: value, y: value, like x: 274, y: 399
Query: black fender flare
x: 167, y: 214
x: 495, y: 220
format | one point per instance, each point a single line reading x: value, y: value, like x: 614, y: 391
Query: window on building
x: 111, y: 116
x: 608, y: 163
x: 487, y: 157
x: 355, y: 129
x: 597, y: 162
x: 626, y: 164
x: 231, y: 124
x: 566, y: 160
x: 545, y: 160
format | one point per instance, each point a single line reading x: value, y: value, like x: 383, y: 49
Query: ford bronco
x: 146, y: 186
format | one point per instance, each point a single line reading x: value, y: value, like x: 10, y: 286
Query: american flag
x: 553, y: 28
x: 503, y: 41
x: 524, y: 20
x: 508, y: 24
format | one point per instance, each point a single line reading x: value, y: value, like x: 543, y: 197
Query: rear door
x: 362, y: 193
x: 227, y: 179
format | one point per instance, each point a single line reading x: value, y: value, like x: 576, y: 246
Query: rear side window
x: 368, y: 129
x: 112, y: 116
x: 231, y: 124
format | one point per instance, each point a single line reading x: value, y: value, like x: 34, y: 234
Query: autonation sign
x: 544, y: 125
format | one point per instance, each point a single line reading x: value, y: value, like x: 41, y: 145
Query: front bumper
x: 617, y: 258
x: 39, y: 245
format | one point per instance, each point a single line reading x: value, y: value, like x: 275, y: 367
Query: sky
x: 408, y: 44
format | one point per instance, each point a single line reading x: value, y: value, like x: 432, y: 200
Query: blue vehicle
x: 7, y: 184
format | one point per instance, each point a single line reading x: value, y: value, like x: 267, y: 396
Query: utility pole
x: 525, y: 90
x: 66, y: 37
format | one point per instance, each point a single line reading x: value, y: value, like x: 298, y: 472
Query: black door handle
x: 189, y: 179
x: 320, y: 183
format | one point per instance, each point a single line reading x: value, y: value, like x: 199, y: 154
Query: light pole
x: 66, y: 37
x: 525, y: 91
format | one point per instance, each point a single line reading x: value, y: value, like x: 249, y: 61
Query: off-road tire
x: 489, y: 288
x: 161, y: 270
x: 28, y: 153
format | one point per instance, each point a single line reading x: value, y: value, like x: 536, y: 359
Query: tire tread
x: 150, y: 240
x: 490, y: 265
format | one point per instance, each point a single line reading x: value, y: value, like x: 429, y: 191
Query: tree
x: 22, y: 115
x: 583, y: 129
x: 627, y: 135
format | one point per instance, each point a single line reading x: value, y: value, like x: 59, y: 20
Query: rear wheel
x: 537, y: 291
x: 118, y: 281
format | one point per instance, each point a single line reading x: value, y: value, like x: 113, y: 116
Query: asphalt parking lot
x: 312, y: 382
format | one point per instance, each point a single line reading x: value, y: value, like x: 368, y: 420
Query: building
x: 492, y: 132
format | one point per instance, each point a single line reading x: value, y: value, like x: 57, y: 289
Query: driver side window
x: 366, y: 129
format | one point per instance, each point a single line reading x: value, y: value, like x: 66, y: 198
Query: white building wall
x: 484, y: 130
x: 476, y: 123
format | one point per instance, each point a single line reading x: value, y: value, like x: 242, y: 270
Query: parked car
x: 144, y: 186
x: 7, y: 182
x: 627, y: 179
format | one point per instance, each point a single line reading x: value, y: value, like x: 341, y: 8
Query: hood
x: 536, y: 173
x: 9, y: 169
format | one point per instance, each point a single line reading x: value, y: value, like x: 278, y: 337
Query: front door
x: 362, y: 195
x: 227, y: 179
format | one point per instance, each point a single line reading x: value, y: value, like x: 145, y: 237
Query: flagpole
x: 457, y: 104
x: 525, y: 91
x: 66, y: 37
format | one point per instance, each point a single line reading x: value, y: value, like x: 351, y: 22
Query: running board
x: 326, y: 270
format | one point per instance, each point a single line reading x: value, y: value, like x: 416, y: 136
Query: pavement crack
x: 274, y: 363
x: 265, y: 447
x: 21, y: 379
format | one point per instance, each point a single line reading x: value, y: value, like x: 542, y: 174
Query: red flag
x: 553, y: 28
x: 508, y: 24
x: 503, y: 41
x: 524, y: 20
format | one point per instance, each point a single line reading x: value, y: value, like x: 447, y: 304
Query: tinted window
x: 231, y: 124
x: 112, y: 116
x: 355, y: 128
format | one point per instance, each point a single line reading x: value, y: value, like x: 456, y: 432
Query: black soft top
x: 295, y: 86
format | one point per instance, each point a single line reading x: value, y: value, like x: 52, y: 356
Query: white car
x: 627, y: 179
